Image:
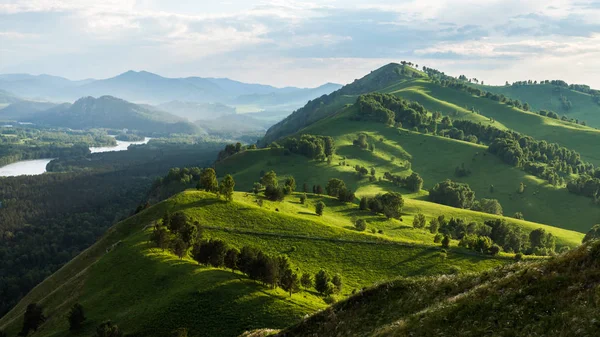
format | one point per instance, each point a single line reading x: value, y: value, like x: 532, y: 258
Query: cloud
x: 305, y: 43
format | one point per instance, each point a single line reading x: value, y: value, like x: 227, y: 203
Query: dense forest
x: 25, y: 143
x: 58, y: 215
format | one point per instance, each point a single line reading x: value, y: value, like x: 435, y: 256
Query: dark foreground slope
x: 558, y: 297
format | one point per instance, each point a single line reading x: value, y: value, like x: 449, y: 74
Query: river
x: 38, y: 166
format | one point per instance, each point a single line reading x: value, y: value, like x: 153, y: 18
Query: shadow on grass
x: 307, y: 213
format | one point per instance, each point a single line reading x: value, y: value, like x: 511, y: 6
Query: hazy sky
x: 302, y: 43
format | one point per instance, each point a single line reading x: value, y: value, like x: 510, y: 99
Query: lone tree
x: 360, y: 224
x: 446, y: 242
x: 76, y: 317
x: 306, y: 280
x: 319, y: 208
x: 226, y: 187
x: 208, y: 180
x: 322, y: 281
x: 33, y: 318
x: 108, y: 329
x: 419, y: 221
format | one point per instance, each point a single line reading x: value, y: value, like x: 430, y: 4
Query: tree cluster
x: 176, y: 233
x: 311, y: 146
x: 413, y: 182
x: 390, y: 204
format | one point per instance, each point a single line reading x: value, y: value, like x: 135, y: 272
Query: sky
x: 302, y: 43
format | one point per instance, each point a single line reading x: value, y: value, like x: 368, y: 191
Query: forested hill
x: 328, y: 104
x: 557, y: 297
x: 114, y: 113
x: 577, y: 102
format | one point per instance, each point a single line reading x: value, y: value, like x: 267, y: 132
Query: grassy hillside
x: 434, y: 158
x: 148, y: 292
x: 548, y: 97
x: 448, y: 100
x: 550, y: 298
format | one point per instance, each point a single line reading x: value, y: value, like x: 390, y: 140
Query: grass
x: 577, y: 137
x: 545, y: 97
x: 434, y: 158
x: 148, y: 292
x: 556, y: 297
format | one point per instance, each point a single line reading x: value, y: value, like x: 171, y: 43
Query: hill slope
x: 112, y: 112
x: 148, y: 292
x: 551, y: 298
x: 24, y: 109
x: 560, y: 99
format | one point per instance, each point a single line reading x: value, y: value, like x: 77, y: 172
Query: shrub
x: 319, y: 208
x: 360, y: 224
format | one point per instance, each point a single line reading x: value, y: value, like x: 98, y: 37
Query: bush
x: 518, y: 257
x: 360, y: 224
x: 319, y: 208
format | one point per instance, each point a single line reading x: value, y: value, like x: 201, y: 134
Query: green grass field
x: 148, y: 292
x: 547, y: 97
x: 434, y: 158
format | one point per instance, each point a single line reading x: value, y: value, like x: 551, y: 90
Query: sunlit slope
x: 434, y: 158
x: 548, y: 97
x: 555, y: 297
x: 577, y: 137
x: 148, y: 292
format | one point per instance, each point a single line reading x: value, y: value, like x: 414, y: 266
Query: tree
x: 179, y: 247
x: 539, y: 238
x: 521, y: 188
x: 208, y: 180
x: 446, y: 242
x: 414, y: 182
x: 319, y: 189
x: 32, y: 319
x: 419, y: 221
x: 231, y: 259
x: 160, y: 237
x: 364, y: 204
x: 218, y: 253
x: 305, y: 188
x: 392, y: 204
x: 495, y: 249
x: 337, y: 282
x: 274, y: 193
x: 592, y: 234
x: 373, y: 171
x: 108, y: 329
x: 269, y: 179
x: 289, y: 281
x: 491, y: 206
x: 290, y: 182
x: 226, y: 187
x: 76, y: 317
x: 178, y: 222
x: 334, y: 186
x: 360, y: 224
x: 319, y: 208
x: 518, y: 215
x: 306, y: 280
x: 453, y: 194
x: 303, y: 199
x: 321, y: 281
x: 434, y: 226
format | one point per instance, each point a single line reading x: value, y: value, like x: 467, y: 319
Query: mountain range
x: 146, y: 87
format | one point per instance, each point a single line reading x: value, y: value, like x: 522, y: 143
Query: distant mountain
x: 235, y: 124
x: 195, y: 111
x: 24, y: 109
x: 114, y: 113
x: 290, y: 97
x: 146, y: 87
x: 7, y: 98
